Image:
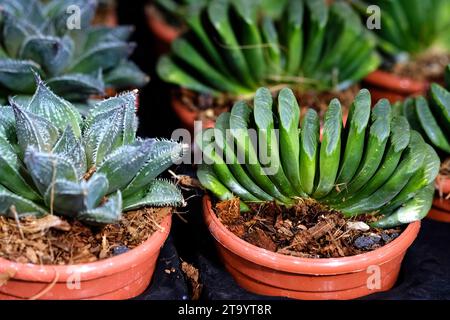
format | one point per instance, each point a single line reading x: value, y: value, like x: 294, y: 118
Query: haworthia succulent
x: 55, y: 161
x: 395, y: 165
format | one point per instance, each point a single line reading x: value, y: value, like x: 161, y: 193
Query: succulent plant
x: 92, y: 169
x: 176, y: 10
x: 409, y: 26
x: 375, y: 164
x: 231, y: 49
x: 76, y: 63
x: 431, y: 118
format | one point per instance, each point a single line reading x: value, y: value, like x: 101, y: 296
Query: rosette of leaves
x: 233, y: 48
x: 375, y: 164
x: 52, y: 161
x: 409, y: 26
x: 431, y: 117
x: 56, y: 39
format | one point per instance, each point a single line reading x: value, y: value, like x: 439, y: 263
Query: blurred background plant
x: 76, y: 63
x: 233, y: 47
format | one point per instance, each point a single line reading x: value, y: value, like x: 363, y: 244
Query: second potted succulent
x: 432, y: 119
x: 411, y: 37
x: 233, y: 48
x: 82, y: 214
x: 306, y: 217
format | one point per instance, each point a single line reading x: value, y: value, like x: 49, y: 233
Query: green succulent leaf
x: 33, y: 130
x: 17, y: 75
x: 70, y: 147
x: 76, y: 86
x: 160, y: 193
x: 45, y: 168
x: 126, y: 74
x: 109, y: 212
x: 10, y: 168
x: 58, y: 111
x: 51, y: 53
x: 162, y: 155
x: 23, y: 206
x: 122, y: 165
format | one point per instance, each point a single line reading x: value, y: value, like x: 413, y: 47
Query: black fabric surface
x: 425, y: 272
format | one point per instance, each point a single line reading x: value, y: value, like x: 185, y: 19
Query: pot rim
x: 324, y: 266
x: 91, y: 270
x: 166, y: 32
x: 404, y: 85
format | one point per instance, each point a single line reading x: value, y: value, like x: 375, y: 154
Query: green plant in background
x: 431, y: 118
x: 410, y: 26
x: 75, y: 63
x: 231, y: 49
x: 92, y: 169
x: 176, y: 10
x: 375, y: 164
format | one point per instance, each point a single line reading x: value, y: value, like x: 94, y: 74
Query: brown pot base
x: 121, y: 277
x: 265, y: 272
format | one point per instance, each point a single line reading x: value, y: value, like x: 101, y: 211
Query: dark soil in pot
x: 307, y: 230
x: 56, y: 241
x: 429, y: 67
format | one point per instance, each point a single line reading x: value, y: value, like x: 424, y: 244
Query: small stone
x: 386, y: 237
x: 119, y: 250
x: 357, y: 225
x: 366, y: 242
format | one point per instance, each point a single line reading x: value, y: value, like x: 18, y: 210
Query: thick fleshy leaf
x: 33, y: 130
x: 15, y: 31
x: 17, y: 75
x: 102, y: 56
x: 70, y: 198
x: 46, y: 168
x: 24, y: 207
x: 58, y: 111
x: 7, y: 124
x: 161, y: 193
x: 110, y: 212
x: 161, y: 156
x: 71, y: 148
x: 103, y: 135
x: 76, y: 86
x: 126, y: 74
x: 110, y: 124
x: 51, y: 53
x: 123, y: 164
x: 10, y: 168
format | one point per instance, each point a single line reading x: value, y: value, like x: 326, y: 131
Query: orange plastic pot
x: 268, y: 273
x: 439, y: 215
x: 164, y: 33
x: 384, y: 84
x: 121, y: 277
x: 188, y: 116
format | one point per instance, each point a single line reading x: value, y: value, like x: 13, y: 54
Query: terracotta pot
x: 438, y: 214
x: 187, y: 115
x: 268, y: 273
x: 163, y: 32
x: 443, y: 184
x: 387, y: 85
x: 121, y: 277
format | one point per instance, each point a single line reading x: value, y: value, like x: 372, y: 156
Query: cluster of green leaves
x: 373, y: 164
x: 233, y: 48
x: 410, y: 26
x: 431, y: 118
x: 92, y: 169
x: 77, y: 63
x: 176, y: 10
